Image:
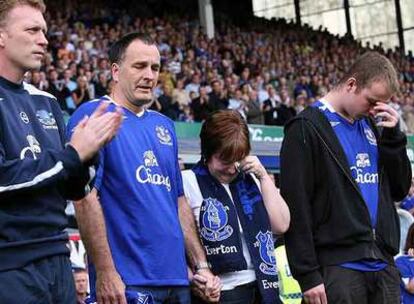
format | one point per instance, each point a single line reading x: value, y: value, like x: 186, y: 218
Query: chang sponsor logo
x: 359, y: 172
x: 145, y: 174
x: 362, y: 177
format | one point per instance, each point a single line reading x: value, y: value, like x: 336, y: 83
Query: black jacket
x: 330, y: 221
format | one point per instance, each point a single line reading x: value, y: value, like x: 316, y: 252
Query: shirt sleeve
x: 406, y: 267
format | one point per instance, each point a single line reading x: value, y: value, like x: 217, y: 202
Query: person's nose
x: 42, y: 40
x: 231, y: 169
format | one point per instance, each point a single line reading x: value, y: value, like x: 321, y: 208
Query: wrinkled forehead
x: 24, y: 15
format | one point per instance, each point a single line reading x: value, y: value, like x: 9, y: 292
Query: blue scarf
x: 220, y: 234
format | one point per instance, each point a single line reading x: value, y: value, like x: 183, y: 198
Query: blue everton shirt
x: 407, y: 203
x: 139, y: 182
x: 405, y: 265
x: 360, y: 146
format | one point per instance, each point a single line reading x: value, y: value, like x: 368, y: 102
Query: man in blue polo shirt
x: 343, y: 165
x: 134, y: 219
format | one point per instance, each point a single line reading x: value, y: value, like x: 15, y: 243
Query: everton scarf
x: 220, y: 235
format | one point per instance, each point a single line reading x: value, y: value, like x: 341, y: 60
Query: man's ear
x: 115, y: 72
x: 351, y: 85
x: 2, y: 37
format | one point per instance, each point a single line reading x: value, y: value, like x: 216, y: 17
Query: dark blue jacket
x: 37, y: 174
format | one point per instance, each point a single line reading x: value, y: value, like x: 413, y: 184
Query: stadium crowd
x: 269, y: 71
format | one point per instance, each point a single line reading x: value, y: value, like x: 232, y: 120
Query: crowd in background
x: 268, y: 72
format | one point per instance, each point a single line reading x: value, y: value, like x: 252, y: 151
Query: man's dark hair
x: 118, y: 49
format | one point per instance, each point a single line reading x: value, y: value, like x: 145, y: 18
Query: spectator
x: 57, y: 89
x: 71, y: 86
x: 80, y: 276
x: 180, y: 95
x: 201, y: 105
x: 168, y: 107
x: 186, y: 115
x: 217, y: 98
x: 194, y: 85
x: 300, y: 103
x: 81, y: 93
x: 275, y: 113
x: 253, y: 108
x: 237, y: 103
x: 101, y: 86
x: 405, y: 264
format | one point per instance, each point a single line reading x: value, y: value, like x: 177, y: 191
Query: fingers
x: 100, y: 110
x: 122, y: 299
x: 199, y: 282
x: 316, y: 295
x: 389, y: 116
x: 217, y: 284
x: 105, y: 126
x: 209, y: 285
x: 324, y: 298
x: 251, y: 164
x: 387, y: 119
x: 200, y: 278
x: 83, y: 122
x: 110, y: 289
x: 112, y: 298
x: 313, y: 300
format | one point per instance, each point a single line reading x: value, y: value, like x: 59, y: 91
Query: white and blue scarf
x: 220, y: 234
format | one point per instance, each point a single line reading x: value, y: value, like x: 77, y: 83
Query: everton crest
x: 46, y: 119
x: 214, y: 221
x: 266, y: 249
x: 163, y: 135
x: 370, y: 136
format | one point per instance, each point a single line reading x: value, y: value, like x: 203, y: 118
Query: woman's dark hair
x: 226, y: 133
